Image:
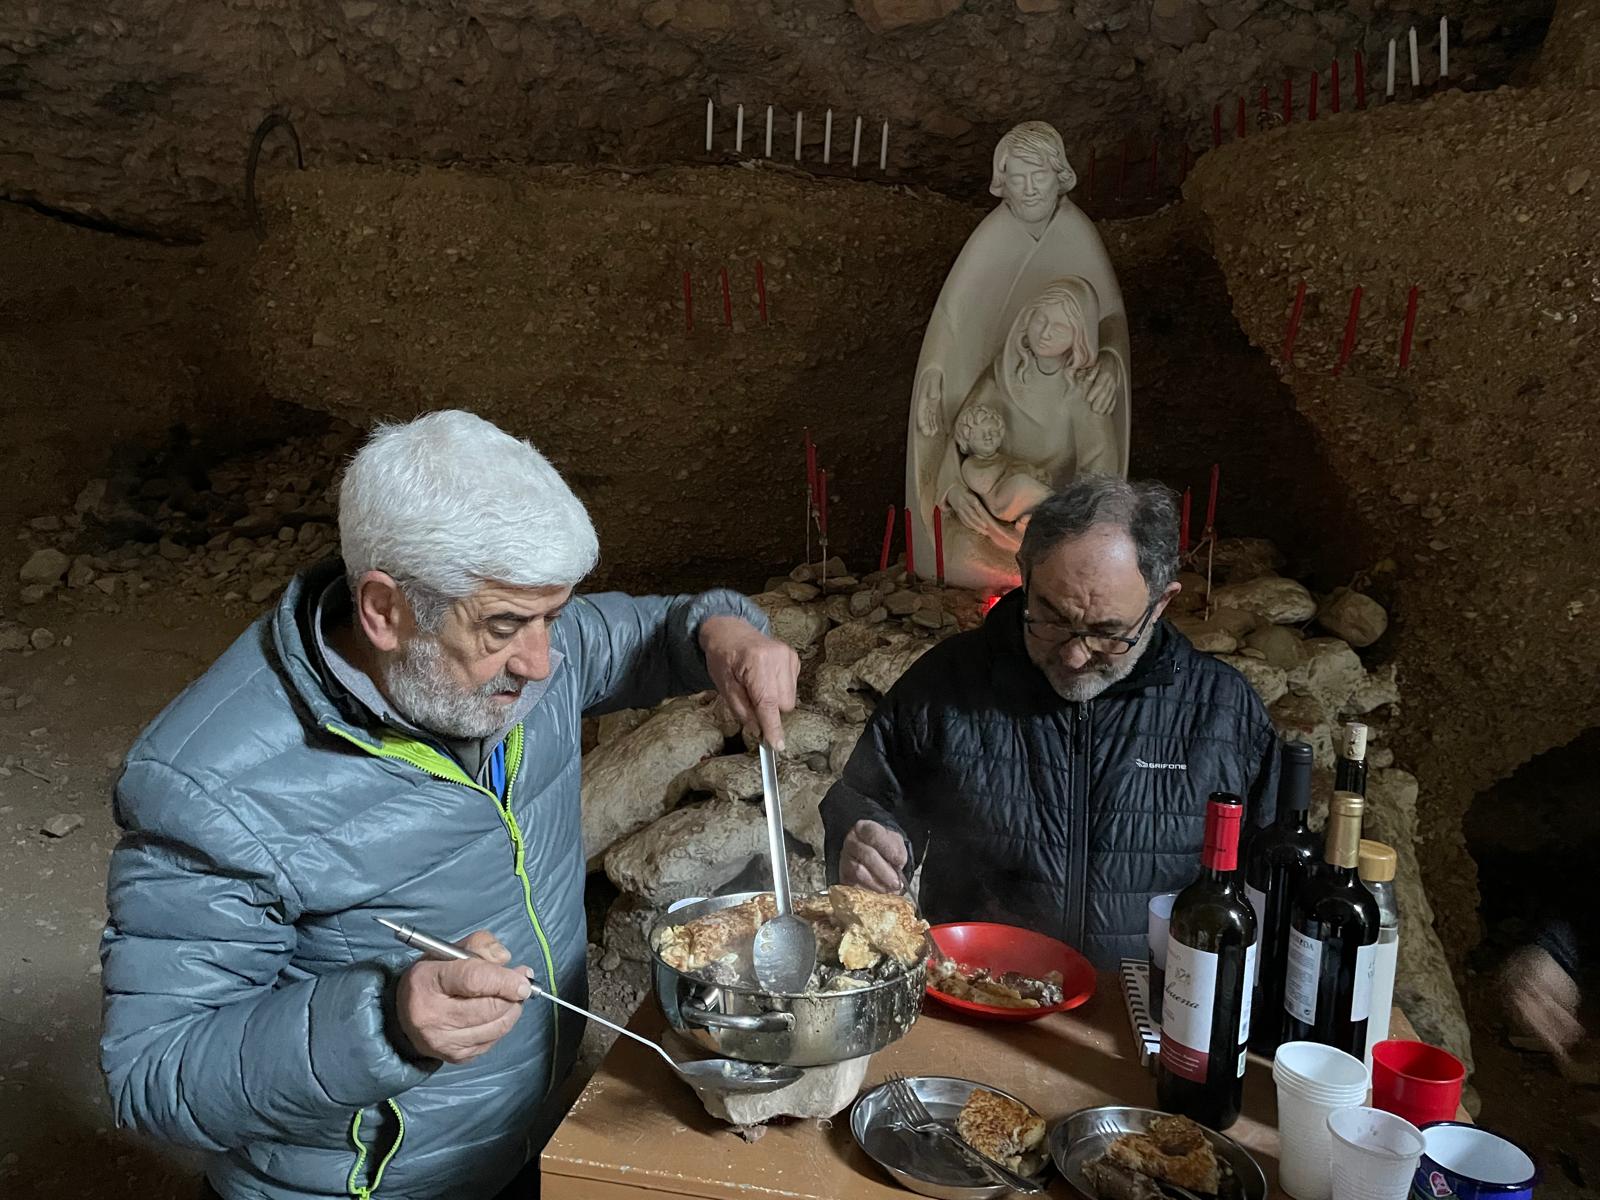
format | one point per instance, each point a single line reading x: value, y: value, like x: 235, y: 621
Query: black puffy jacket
x: 1060, y: 816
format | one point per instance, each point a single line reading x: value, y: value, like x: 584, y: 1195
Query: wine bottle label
x: 1258, y: 901
x: 1303, y: 974
x: 1361, y: 994
x: 1187, y: 1010
x: 1252, y: 966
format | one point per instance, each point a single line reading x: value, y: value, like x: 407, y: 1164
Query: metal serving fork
x: 908, y: 1110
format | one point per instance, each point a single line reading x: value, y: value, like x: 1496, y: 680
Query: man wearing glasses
x: 1051, y: 768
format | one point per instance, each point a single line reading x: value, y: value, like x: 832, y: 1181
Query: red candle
x: 1333, y: 86
x: 822, y: 501
x: 811, y: 468
x: 1288, y: 101
x: 1361, y: 81
x: 1410, y: 328
x: 1238, y: 124
x: 1347, y: 347
x: 938, y: 544
x: 888, y: 540
x: 1311, y: 105
x: 1294, y: 323
x: 727, y: 299
x: 1216, y: 125
x: 1211, y: 501
x: 761, y: 289
x: 911, y: 552
x: 1183, y: 522
x: 1155, y: 167
x: 688, y: 303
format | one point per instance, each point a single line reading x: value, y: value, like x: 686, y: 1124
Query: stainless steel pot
x: 799, y: 1030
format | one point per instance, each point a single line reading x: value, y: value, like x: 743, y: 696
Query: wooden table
x: 637, y: 1132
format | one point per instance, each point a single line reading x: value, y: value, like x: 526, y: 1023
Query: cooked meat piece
x: 1193, y: 1164
x: 1113, y: 1182
x: 819, y: 911
x: 1000, y: 1127
x: 889, y: 922
x: 814, y: 908
x: 715, y: 936
x: 855, y: 951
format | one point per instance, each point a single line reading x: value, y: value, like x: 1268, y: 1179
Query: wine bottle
x: 1279, y: 860
x: 1350, y: 766
x: 1211, y: 949
x: 1333, y: 942
x: 1377, y: 871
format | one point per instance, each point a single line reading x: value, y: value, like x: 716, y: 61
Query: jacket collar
x: 292, y: 627
x: 1157, y: 667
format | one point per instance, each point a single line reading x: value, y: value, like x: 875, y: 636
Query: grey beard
x: 1083, y: 686
x: 419, y: 685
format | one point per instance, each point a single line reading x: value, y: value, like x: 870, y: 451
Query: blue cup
x: 1464, y: 1162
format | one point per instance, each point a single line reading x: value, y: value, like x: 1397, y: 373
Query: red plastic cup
x: 1416, y: 1081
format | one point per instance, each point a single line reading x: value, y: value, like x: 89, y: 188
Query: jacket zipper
x: 352, y: 1185
x: 1078, y: 834
x: 424, y: 758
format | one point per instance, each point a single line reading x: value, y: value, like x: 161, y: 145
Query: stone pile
x: 232, y: 536
x: 671, y: 797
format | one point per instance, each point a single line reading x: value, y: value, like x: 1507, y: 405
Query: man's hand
x: 873, y: 857
x: 456, y: 1010
x: 755, y: 674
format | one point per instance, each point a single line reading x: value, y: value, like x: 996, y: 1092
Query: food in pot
x: 1008, y: 989
x: 1007, y: 1131
x: 1174, y: 1150
x: 862, y: 938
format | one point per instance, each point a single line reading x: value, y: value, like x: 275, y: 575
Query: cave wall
x: 1470, y: 474
x: 140, y: 111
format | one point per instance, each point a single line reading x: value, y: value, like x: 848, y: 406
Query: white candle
x: 827, y: 137
x: 855, y: 150
x: 738, y: 131
x: 1416, y: 67
x: 1390, y: 90
x: 883, y: 149
x: 710, y: 110
x: 1444, y: 46
x: 769, y: 131
x: 799, y: 121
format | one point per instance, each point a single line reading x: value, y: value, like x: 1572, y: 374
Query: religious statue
x: 1035, y: 240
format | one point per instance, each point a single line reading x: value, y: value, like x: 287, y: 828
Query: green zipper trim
x: 361, y: 1191
x: 392, y: 745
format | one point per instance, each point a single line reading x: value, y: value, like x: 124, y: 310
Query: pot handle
x: 704, y: 1018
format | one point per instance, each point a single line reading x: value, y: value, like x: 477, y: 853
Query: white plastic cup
x: 1313, y: 1081
x: 1375, y: 1154
x: 1160, y: 924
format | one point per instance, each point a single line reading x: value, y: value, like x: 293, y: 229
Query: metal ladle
x: 717, y: 1076
x: 785, y: 951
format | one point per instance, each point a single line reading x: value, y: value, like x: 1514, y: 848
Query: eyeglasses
x: 1058, y: 633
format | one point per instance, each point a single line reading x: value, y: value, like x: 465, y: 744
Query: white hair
x: 1039, y: 141
x: 448, y: 502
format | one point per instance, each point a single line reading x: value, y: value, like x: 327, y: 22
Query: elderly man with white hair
x: 399, y: 738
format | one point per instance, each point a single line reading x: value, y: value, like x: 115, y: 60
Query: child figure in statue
x: 1008, y: 487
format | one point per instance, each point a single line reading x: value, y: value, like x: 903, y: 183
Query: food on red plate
x: 1009, y: 989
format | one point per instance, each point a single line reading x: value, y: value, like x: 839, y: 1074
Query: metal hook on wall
x: 268, y: 124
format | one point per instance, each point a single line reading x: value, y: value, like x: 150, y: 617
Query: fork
x: 910, y: 1112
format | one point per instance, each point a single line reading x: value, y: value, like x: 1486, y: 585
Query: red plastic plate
x: 1009, y: 948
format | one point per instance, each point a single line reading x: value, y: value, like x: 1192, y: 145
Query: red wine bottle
x: 1280, y: 858
x: 1211, y: 949
x: 1327, y: 994
x: 1350, y: 765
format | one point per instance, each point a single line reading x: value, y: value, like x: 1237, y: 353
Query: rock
x: 799, y: 625
x: 1037, y: 7
x: 34, y: 593
x: 804, y: 573
x: 690, y: 852
x: 1192, y: 597
x: 1181, y: 23
x: 613, y: 725
x: 1208, y: 637
x: 45, y: 566
x: 929, y: 612
x: 658, y: 13
x: 801, y: 593
x: 626, y: 781
x: 837, y: 609
x: 901, y: 604
x: 1280, y: 600
x: 262, y: 590
x: 820, y: 1092
x: 833, y: 691
x: 1270, y: 682
x: 1304, y: 717
x: 46, y: 524
x: 1379, y: 758
x: 851, y: 642
x: 881, y: 669
x: 13, y: 636
x: 884, y: 16
x: 726, y: 777
x: 61, y: 824
x: 1278, y: 643
x: 1575, y: 180
x: 1236, y: 621
x: 171, y: 551
x: 1424, y: 986
x: 1329, y: 671
x: 1239, y: 560
x: 627, y: 928
x: 1359, y: 620
x: 807, y: 731
x: 861, y: 603
x: 81, y: 575
x: 41, y: 639
x: 91, y: 496
x: 1380, y: 687
x: 833, y: 585
x: 107, y: 584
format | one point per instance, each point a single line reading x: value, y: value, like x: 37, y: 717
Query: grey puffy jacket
x: 248, y: 985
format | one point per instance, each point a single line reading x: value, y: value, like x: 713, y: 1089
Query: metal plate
x: 1085, y: 1134
x: 925, y: 1163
